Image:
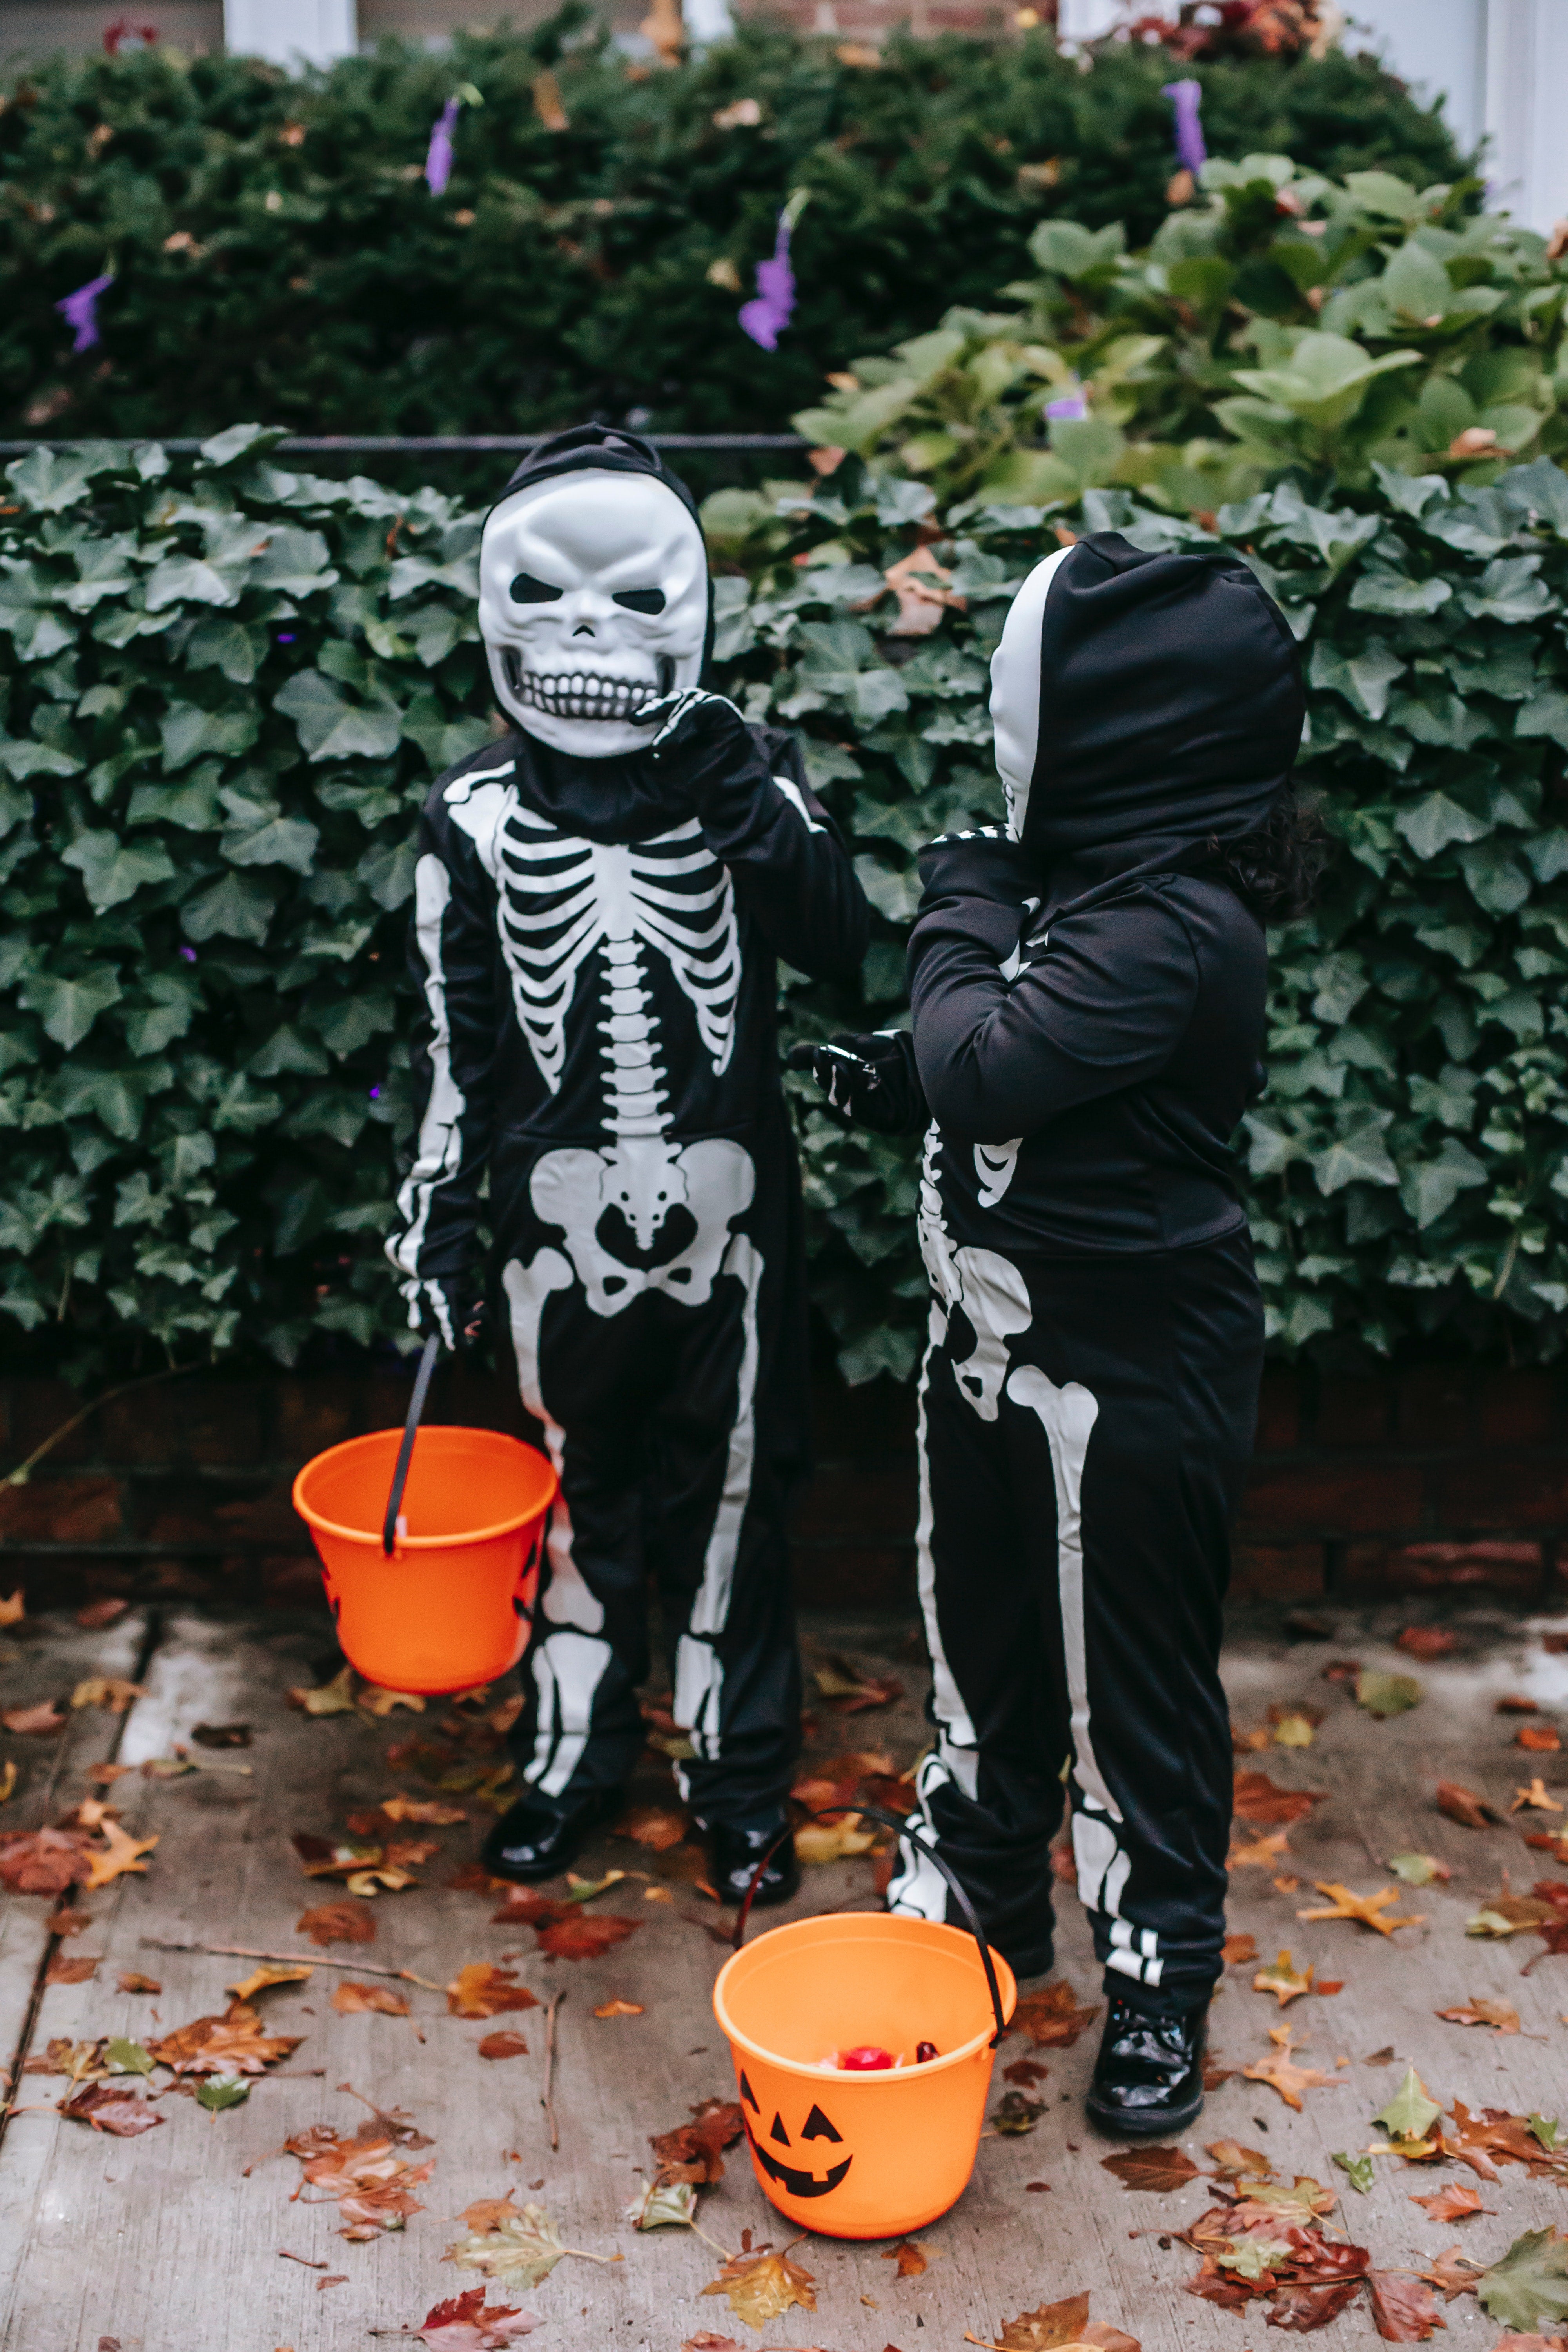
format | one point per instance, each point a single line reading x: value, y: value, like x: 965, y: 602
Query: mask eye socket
x: 526, y: 590
x: 641, y: 600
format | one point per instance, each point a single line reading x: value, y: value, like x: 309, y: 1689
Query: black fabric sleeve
x: 1101, y: 1006
x: 791, y: 869
x: 451, y: 956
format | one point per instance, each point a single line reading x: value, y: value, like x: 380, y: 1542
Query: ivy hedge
x: 224, y: 690
x: 275, y: 249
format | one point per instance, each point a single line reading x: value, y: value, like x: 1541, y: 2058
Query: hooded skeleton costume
x: 596, y: 919
x: 1088, y: 1010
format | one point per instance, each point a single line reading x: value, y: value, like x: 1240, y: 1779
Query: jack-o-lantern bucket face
x: 853, y: 2155
x: 799, y: 2178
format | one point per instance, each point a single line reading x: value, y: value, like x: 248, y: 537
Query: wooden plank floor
x: 171, y: 2242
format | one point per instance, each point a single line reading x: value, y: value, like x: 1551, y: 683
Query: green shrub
x: 223, y: 693
x: 1293, y: 320
x: 277, y: 253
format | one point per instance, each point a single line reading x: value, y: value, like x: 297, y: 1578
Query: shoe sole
x: 1113, y: 2125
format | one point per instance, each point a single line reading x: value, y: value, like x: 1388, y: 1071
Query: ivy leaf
x: 70, y: 1007
x: 1432, y: 1186
x: 188, y: 731
x: 1359, y: 1157
x: 275, y: 840
x: 113, y: 869
x: 234, y: 908
x: 1434, y: 821
x: 187, y: 580
x: 330, y: 727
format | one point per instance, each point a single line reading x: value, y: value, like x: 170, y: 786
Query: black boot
x: 534, y: 1839
x: 734, y: 1852
x: 1149, y: 2075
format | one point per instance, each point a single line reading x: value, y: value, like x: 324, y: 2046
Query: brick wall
x: 1434, y: 1476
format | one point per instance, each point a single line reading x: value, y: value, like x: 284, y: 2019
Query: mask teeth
x: 577, y: 694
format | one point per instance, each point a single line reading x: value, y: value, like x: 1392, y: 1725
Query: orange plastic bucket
x: 872, y: 2155
x: 450, y: 1608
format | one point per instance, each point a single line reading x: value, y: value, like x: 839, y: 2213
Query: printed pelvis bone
x: 645, y: 1180
x: 593, y: 601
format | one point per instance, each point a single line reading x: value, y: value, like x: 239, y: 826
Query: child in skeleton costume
x: 1088, y: 992
x: 600, y: 897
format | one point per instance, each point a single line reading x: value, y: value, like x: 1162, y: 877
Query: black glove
x: 870, y: 1081
x: 443, y: 1304
x: 708, y: 750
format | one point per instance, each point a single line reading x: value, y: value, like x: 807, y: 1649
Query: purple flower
x: 375, y: 1094
x: 439, y: 162
x: 765, y: 319
x: 285, y: 637
x: 1071, y: 405
x: 189, y: 954
x: 80, y: 310
x: 1187, y: 97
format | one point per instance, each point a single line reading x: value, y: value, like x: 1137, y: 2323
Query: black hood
x: 605, y: 449
x: 1171, y: 708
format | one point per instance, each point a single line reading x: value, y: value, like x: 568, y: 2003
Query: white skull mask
x: 593, y: 601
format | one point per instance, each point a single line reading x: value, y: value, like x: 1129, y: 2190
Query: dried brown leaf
x: 352, y: 1999
x: 1156, y: 2169
x: 338, y: 1923
x: 484, y: 1990
x: 1052, y: 2018
x: 503, y: 2045
x: 1404, y: 2309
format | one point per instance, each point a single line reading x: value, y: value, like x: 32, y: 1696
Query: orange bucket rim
x: 315, y: 1519
x: 878, y: 1923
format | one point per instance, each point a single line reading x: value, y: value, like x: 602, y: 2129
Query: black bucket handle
x: 406, y: 1451
x: 896, y: 1822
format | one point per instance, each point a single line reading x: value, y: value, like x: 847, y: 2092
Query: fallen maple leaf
x: 1237, y: 2163
x: 1026, y: 2074
x: 817, y: 1842
x: 1238, y: 1949
x: 221, y: 1734
x: 132, y: 1981
x: 522, y: 2249
x: 269, y: 1974
x: 428, y: 1810
x: 912, y: 2259
x: 1511, y: 1915
x: 13, y: 1611
x: 584, y: 1937
x: 121, y: 1853
x: 1281, y: 2072
x: 483, y: 1989
x: 1262, y: 1853
x: 369, y: 2181
x: 763, y: 2286
x: 1051, y: 2017
x: 1499, y: 2014
x: 503, y: 2045
x: 1419, y: 1869
x: 1368, y: 1910
x: 1385, y: 1695
x: 1544, y: 1738
x: 1259, y: 1800
x: 1410, y: 2115
x: 1537, y: 1797
x: 1428, y: 1641
x: 65, y: 1971
x: 1303, y: 2309
x: 1294, y: 1726
x: 1457, y: 2202
x: 464, y: 2323
x: 1454, y: 2273
x: 1284, y: 1979
x: 338, y: 1923
x: 620, y: 2008
x: 379, y: 1702
x: 43, y: 1862
x: 336, y: 1697
x: 107, y: 1691
x: 123, y: 2113
x: 693, y: 2152
x: 1515, y: 1703
x: 1402, y: 2309
x: 351, y: 1999
x: 1063, y: 2326
x: 1157, y: 2170
x: 652, y: 1826
x: 33, y: 1722
x: 98, y: 1614
x: 1016, y: 2115
x: 231, y: 2044
x: 1463, y: 1805
x: 1529, y: 2282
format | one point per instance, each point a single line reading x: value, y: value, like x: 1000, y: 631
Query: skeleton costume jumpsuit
x: 595, y: 949
x: 1088, y: 1010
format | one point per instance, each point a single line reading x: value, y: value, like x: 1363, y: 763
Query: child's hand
x: 444, y: 1304
x: 702, y: 742
x: 870, y: 1081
